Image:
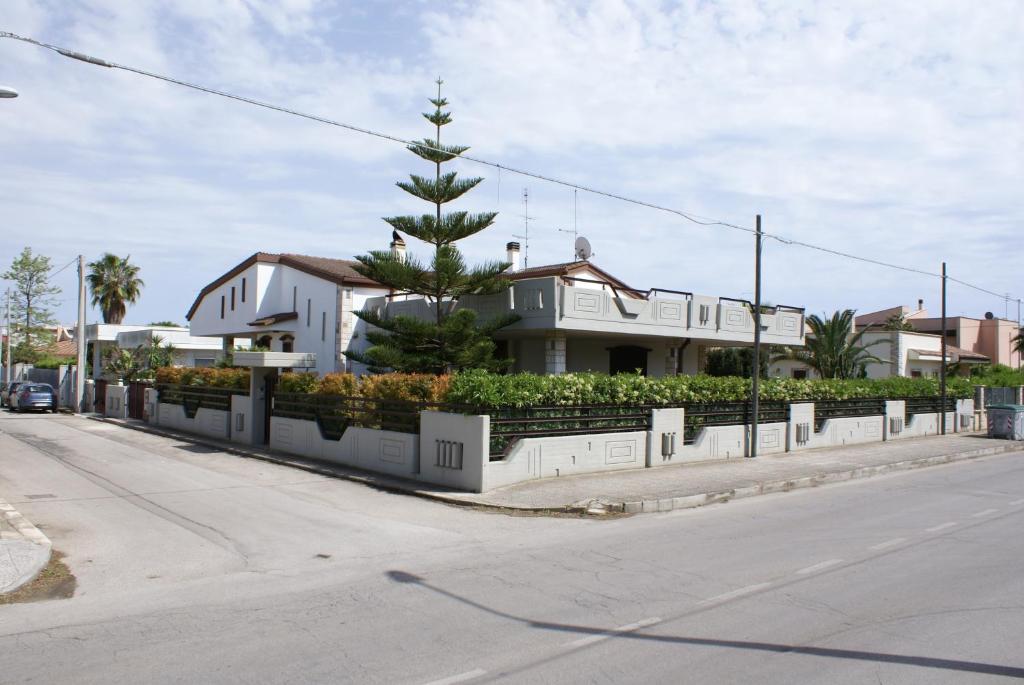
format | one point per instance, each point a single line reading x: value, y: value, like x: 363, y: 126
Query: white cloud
x: 888, y: 129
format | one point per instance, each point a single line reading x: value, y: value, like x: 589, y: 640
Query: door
x: 99, y: 400
x: 627, y: 359
x: 137, y: 400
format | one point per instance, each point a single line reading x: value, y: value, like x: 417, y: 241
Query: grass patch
x: 54, y: 582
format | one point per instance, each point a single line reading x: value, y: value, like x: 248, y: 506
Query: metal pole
x: 942, y: 365
x: 754, y: 397
x: 80, y: 339
x: 10, y: 337
x: 1020, y: 331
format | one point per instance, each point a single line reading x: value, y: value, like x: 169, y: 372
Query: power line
x: 54, y: 273
x: 689, y: 216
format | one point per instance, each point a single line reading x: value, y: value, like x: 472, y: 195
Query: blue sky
x: 891, y: 130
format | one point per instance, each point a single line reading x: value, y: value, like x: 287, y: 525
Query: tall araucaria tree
x: 451, y: 338
x: 114, y: 284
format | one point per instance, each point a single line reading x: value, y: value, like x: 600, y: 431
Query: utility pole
x: 80, y: 339
x: 942, y: 365
x: 756, y: 370
x: 10, y: 338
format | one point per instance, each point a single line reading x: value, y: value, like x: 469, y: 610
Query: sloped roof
x: 340, y: 271
x: 566, y: 269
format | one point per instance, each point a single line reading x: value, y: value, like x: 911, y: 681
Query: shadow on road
x: 771, y: 647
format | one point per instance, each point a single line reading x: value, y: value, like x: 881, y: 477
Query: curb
x: 33, y: 543
x: 772, y: 487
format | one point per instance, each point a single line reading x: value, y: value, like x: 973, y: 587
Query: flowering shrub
x: 235, y: 379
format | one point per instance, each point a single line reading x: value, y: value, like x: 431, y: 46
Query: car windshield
x: 37, y: 388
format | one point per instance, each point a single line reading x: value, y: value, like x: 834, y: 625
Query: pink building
x: 990, y: 336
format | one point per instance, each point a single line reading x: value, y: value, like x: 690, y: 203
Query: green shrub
x: 487, y: 390
x: 54, y: 362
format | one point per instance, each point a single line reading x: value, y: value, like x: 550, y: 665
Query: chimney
x: 397, y: 246
x: 920, y: 304
x: 512, y: 256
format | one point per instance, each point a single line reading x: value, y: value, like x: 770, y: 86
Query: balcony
x: 592, y: 307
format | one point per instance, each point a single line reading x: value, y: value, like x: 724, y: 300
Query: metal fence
x: 927, y: 405
x: 508, y: 426
x: 334, y: 413
x: 699, y: 416
x: 839, y: 409
x: 195, y: 397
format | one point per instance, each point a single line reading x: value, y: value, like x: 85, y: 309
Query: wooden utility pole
x: 942, y: 365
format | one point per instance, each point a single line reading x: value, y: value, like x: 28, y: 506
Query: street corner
x: 24, y: 549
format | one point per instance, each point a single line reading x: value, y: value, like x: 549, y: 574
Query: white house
x: 192, y: 350
x: 574, y: 316
x: 287, y: 303
x: 902, y: 353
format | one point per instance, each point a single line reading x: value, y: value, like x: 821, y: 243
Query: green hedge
x: 488, y: 390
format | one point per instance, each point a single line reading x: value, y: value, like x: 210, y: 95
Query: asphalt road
x: 196, y: 566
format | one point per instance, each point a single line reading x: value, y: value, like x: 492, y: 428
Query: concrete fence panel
x: 117, y: 402
x: 241, y: 419
x: 454, y: 450
x: 209, y: 422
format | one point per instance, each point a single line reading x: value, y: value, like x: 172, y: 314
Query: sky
x: 891, y: 130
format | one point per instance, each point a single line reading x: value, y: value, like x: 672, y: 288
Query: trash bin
x: 1006, y: 421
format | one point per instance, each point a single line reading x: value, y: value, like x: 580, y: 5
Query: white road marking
x: 941, y: 526
x: 1016, y: 502
x: 591, y: 639
x: 460, y: 678
x: 887, y: 544
x: 984, y: 513
x: 818, y: 567
x: 735, y: 593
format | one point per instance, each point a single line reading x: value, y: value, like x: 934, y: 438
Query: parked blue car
x: 39, y: 396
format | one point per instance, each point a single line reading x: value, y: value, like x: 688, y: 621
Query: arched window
x: 264, y: 342
x: 287, y: 343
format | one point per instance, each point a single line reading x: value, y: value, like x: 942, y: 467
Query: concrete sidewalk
x: 656, y: 489
x: 24, y: 551
x: 694, y: 485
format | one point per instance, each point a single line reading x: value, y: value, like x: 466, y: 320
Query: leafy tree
x: 166, y: 324
x: 140, y: 363
x: 114, y: 284
x: 832, y: 349
x: 897, y: 322
x: 737, y: 361
x: 32, y: 301
x: 450, y: 338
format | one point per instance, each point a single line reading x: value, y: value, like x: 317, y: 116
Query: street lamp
x: 6, y: 92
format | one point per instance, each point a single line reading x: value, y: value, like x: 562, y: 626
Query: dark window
x: 800, y: 373
x: 323, y: 327
x: 287, y: 343
x: 232, y: 298
x: 243, y: 290
x: 309, y: 312
x: 295, y: 298
x: 264, y: 341
x: 222, y: 306
x: 627, y: 359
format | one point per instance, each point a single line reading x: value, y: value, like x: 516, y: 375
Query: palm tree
x: 832, y: 349
x: 114, y: 283
x: 1018, y: 342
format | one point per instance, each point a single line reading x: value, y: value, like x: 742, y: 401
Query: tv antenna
x: 573, y: 230
x: 583, y: 250
x: 525, y: 237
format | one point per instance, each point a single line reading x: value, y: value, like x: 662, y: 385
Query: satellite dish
x: 583, y: 251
